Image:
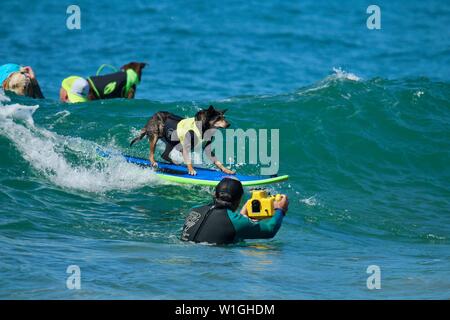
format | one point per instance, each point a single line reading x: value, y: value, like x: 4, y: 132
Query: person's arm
x: 249, y: 229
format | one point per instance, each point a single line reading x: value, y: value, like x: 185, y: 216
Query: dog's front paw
x: 228, y: 171
x: 191, y: 170
x: 154, y: 164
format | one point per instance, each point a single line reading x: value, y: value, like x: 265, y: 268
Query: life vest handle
x: 106, y: 65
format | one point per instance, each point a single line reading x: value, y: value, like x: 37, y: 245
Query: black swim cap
x: 229, y: 190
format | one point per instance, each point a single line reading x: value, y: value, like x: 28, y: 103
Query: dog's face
x: 19, y: 83
x: 212, y: 118
x: 136, y: 66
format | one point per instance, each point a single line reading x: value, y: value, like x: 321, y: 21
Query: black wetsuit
x: 223, y: 226
x: 170, y: 126
x: 109, y: 86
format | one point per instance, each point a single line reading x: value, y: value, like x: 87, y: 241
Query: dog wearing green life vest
x: 120, y: 84
x: 183, y: 134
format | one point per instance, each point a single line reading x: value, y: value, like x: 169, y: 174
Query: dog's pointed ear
x: 125, y: 66
x: 223, y: 111
x: 211, y: 108
x: 200, y: 116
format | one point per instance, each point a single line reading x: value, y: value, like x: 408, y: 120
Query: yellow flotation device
x: 186, y: 125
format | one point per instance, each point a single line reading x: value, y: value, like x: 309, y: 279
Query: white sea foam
x: 18, y: 112
x: 418, y: 93
x: 338, y: 74
x: 45, y: 151
x: 3, y: 98
x: 321, y: 85
x: 60, y: 117
x: 311, y: 201
x: 342, y: 74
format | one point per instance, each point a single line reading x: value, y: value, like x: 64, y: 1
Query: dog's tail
x: 139, y: 137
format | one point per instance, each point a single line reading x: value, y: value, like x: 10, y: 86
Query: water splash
x: 3, y: 98
x: 48, y: 153
x: 342, y: 74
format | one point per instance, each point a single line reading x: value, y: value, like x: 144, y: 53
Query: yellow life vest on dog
x: 186, y: 125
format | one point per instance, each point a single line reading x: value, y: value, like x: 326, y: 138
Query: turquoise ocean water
x: 364, y: 119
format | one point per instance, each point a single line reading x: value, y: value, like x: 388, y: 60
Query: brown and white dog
x: 183, y: 134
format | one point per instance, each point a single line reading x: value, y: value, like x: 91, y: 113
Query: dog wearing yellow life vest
x: 183, y: 134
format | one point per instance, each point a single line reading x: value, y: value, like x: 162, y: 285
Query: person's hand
x: 29, y: 71
x: 244, y: 211
x: 282, y: 204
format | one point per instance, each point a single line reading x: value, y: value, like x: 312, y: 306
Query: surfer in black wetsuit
x: 219, y: 223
